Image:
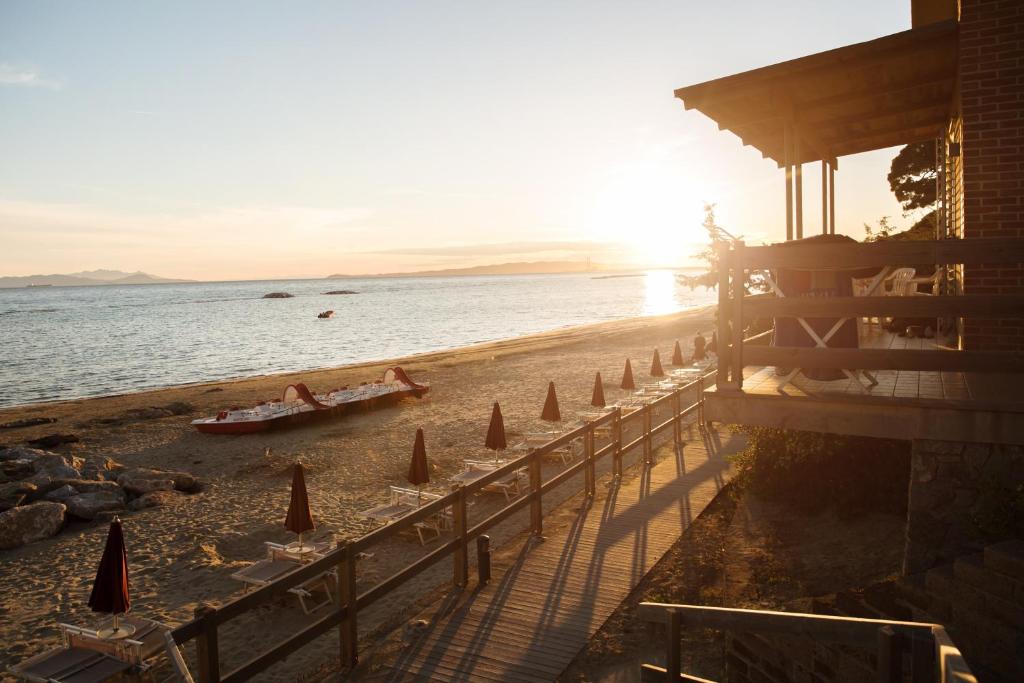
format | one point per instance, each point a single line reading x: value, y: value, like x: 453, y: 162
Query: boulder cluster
x: 40, y: 491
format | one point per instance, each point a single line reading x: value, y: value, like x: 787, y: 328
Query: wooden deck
x: 539, y: 611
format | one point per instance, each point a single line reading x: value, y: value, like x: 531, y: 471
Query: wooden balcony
x: 921, y: 389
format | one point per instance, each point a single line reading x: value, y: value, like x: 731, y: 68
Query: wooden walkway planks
x: 535, y: 616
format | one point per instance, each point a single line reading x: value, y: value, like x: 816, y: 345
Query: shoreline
x: 426, y: 356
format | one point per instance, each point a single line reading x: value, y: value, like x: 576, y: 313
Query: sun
x: 652, y: 208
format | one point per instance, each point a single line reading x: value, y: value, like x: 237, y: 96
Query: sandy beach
x: 181, y: 556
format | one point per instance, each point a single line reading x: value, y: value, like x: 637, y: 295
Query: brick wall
x: 992, y: 108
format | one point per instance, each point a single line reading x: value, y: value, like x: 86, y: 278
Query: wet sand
x: 183, y: 556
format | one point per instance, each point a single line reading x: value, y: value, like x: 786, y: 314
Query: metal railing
x: 203, y: 629
x: 932, y: 655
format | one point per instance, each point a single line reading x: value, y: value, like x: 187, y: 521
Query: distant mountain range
x: 517, y: 268
x: 88, y: 278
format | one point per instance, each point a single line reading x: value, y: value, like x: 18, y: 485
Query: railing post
x: 890, y: 656
x: 483, y: 559
x: 677, y: 419
x: 922, y: 659
x: 647, y: 434
x: 207, y: 650
x: 348, y: 628
x: 461, y: 554
x: 617, y: 451
x: 588, y: 462
x: 738, y: 292
x: 536, y: 504
x: 724, y: 349
x: 700, y: 403
x: 673, y: 659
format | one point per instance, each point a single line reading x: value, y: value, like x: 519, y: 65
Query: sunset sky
x: 238, y: 140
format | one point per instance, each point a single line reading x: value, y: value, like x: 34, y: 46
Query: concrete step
x: 1007, y: 558
x: 972, y: 571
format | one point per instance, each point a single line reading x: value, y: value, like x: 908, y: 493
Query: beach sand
x: 182, y: 556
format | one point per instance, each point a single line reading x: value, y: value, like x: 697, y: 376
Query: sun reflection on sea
x: 660, y: 292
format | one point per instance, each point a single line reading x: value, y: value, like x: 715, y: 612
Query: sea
x: 60, y: 343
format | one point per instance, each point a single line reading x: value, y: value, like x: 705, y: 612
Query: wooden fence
x: 737, y: 308
x: 203, y: 629
x: 932, y: 655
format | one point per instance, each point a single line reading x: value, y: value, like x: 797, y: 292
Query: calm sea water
x: 72, y: 342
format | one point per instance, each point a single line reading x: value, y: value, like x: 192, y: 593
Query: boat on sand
x: 298, y: 405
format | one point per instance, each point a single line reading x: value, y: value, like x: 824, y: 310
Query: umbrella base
x: 111, y: 633
x: 299, y: 548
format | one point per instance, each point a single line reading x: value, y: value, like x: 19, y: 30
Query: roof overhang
x: 890, y: 91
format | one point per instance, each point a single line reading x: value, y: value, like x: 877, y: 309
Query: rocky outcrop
x: 28, y: 422
x: 155, y: 499
x: 135, y: 480
x: 29, y: 523
x: 53, y: 440
x: 340, y: 291
x: 14, y: 493
x: 88, y: 505
x: 278, y: 295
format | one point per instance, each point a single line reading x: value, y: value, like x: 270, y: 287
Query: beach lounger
x: 403, y: 501
x: 534, y: 440
x: 510, y: 485
x: 280, y: 562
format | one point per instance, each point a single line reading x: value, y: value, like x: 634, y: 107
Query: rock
x: 278, y: 295
x: 138, y: 486
x: 29, y: 523
x: 14, y: 494
x: 155, y: 499
x: 61, y: 493
x: 53, y: 440
x: 88, y: 505
x: 99, y: 467
x: 341, y: 291
x: 131, y: 479
x: 88, y: 485
x: 55, y: 466
x: 28, y: 422
x: 17, y: 469
x: 20, y: 453
x: 414, y: 630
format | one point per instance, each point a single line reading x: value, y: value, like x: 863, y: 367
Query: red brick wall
x: 992, y: 107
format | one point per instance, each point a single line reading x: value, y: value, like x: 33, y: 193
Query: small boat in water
x: 299, y: 405
x: 326, y: 314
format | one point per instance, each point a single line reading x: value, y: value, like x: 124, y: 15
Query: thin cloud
x: 26, y: 77
x: 492, y: 249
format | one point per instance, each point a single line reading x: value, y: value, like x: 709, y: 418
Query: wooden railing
x: 203, y: 629
x: 737, y: 308
x: 932, y: 655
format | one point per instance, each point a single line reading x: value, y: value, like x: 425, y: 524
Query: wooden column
x: 824, y: 197
x: 207, y: 649
x: 787, y: 150
x: 831, y: 200
x: 536, y: 504
x: 348, y: 629
x: 798, y: 182
x: 460, y: 571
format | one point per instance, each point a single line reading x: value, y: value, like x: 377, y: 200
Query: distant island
x: 87, y: 278
x: 517, y: 268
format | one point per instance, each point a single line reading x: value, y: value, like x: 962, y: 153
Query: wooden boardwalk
x: 539, y: 611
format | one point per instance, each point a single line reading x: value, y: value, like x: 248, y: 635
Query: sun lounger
x: 534, y: 440
x: 510, y: 484
x: 279, y: 563
x: 403, y: 501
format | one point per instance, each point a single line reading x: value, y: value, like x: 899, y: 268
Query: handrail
x: 341, y: 560
x: 934, y: 656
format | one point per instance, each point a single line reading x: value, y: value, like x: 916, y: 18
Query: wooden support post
x: 207, y: 649
x: 348, y: 629
x: 831, y: 200
x: 536, y: 504
x: 617, y: 451
x: 589, y: 478
x: 787, y: 152
x: 824, y: 197
x: 673, y: 659
x: 700, y: 402
x: 922, y: 658
x: 738, y: 292
x: 648, y: 456
x: 798, y: 182
x: 460, y: 574
x: 723, y: 315
x: 890, y: 656
x: 677, y: 428
x: 483, y: 558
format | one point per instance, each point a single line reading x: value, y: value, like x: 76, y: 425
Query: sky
x: 250, y: 140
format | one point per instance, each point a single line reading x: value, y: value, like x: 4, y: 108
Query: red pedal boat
x: 299, y: 405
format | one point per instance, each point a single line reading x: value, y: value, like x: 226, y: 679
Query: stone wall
x: 957, y: 491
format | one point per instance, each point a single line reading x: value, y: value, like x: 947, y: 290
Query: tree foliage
x: 912, y: 176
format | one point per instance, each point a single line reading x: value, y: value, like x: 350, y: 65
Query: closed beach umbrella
x: 496, y: 431
x: 627, y: 378
x: 110, y: 588
x: 299, y: 518
x: 550, y: 412
x: 677, y: 354
x: 598, y: 397
x: 656, y: 370
x: 419, y: 473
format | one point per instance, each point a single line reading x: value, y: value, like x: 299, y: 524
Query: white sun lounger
x: 403, y: 501
x: 510, y: 485
x: 534, y: 440
x: 280, y: 562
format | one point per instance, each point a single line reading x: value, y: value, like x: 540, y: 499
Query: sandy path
x: 183, y: 556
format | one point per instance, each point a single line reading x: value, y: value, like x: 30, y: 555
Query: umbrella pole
x: 117, y: 627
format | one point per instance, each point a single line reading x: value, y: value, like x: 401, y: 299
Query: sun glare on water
x: 660, y: 292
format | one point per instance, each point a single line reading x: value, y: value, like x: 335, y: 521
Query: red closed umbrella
x: 677, y: 354
x: 656, y: 370
x: 496, y: 432
x: 110, y: 587
x: 299, y: 519
x: 598, y: 398
x: 550, y: 412
x: 627, y: 378
x: 419, y: 472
